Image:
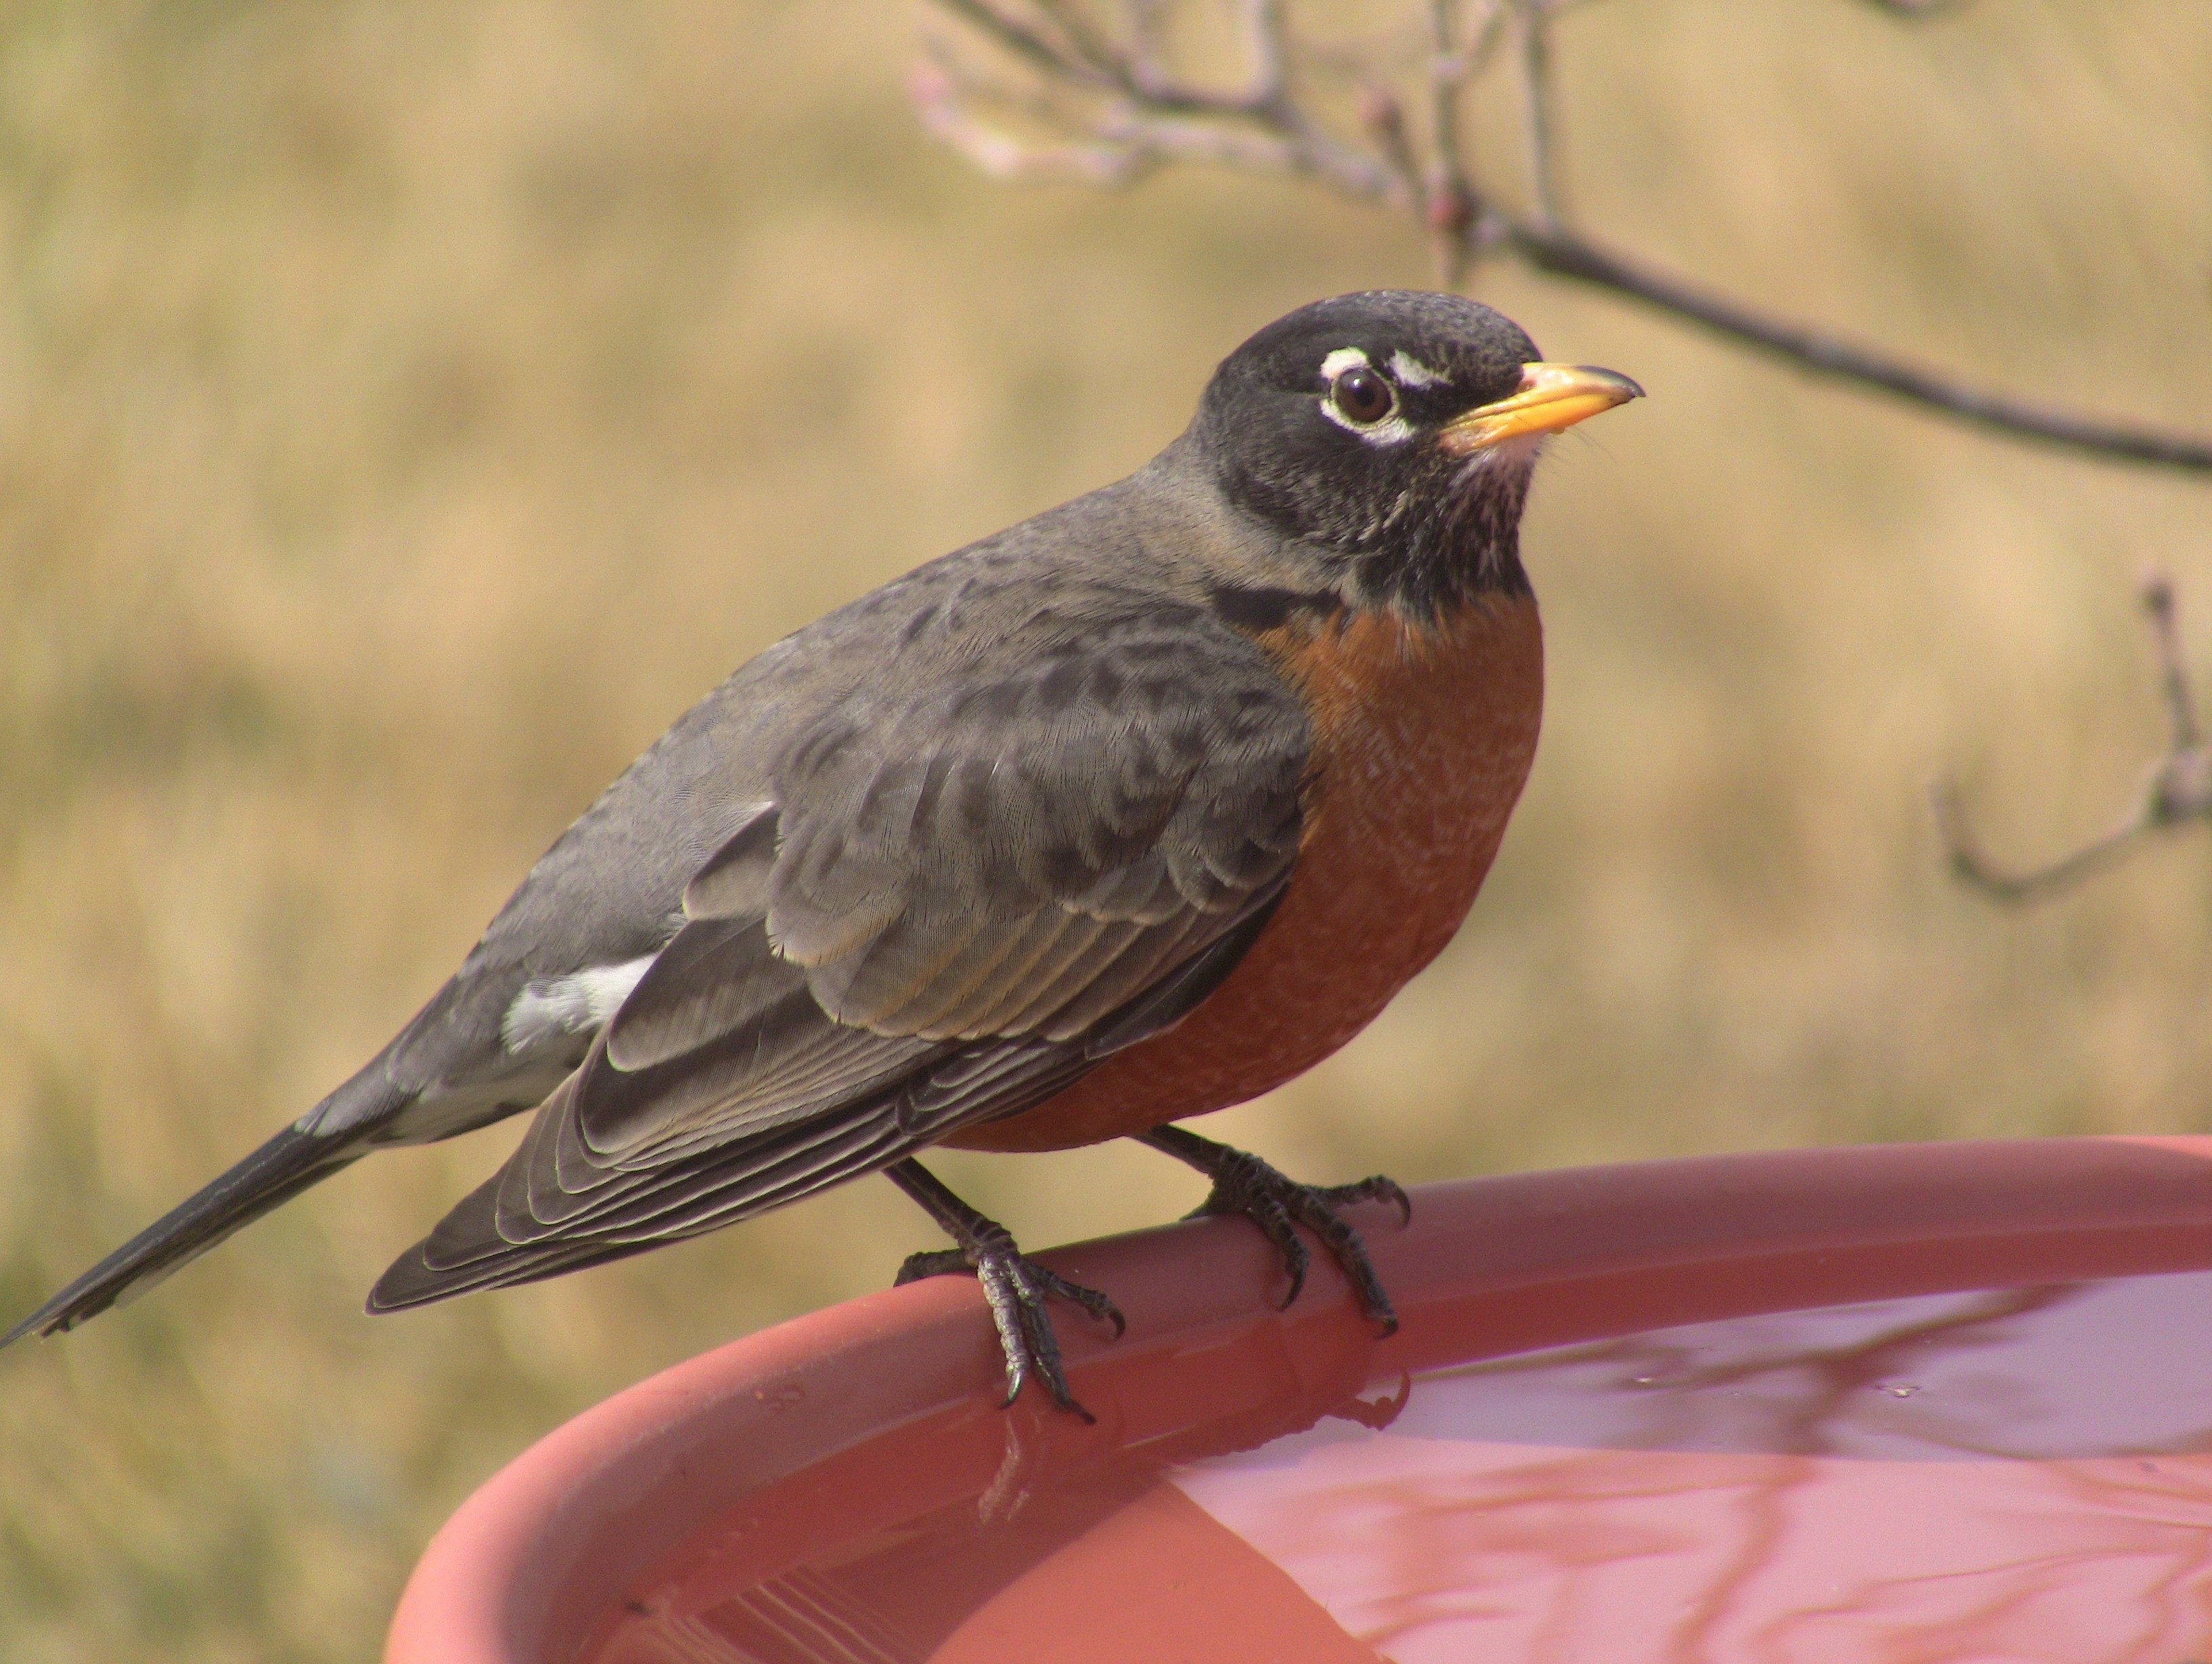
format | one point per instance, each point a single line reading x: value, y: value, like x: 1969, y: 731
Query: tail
x: 274, y: 1173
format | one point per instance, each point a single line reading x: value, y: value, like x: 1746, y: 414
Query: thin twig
x: 945, y: 94
x: 1268, y: 30
x: 2008, y: 884
x: 1453, y: 206
x: 1087, y: 46
x: 1383, y: 119
x: 1144, y: 125
x: 2173, y: 670
x: 1147, y: 30
x: 1536, y: 104
x: 1015, y: 35
x: 1119, y: 153
x: 2178, y: 789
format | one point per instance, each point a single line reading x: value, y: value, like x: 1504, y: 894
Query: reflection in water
x: 2013, y: 1476
x: 1437, y: 1552
x: 2082, y: 1370
x: 2017, y: 1476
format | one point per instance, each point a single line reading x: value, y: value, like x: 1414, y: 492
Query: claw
x: 1244, y: 1184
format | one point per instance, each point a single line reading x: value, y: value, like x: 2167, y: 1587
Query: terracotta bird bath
x: 1921, y: 1402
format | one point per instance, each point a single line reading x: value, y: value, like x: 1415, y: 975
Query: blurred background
x: 406, y: 409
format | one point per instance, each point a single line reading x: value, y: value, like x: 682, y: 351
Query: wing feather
x: 959, y: 896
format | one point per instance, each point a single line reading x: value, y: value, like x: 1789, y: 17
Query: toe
x: 939, y: 1263
x: 1375, y: 1189
x: 1018, y: 1290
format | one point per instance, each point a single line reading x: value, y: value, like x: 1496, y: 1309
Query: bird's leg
x: 1244, y: 1184
x: 1015, y: 1286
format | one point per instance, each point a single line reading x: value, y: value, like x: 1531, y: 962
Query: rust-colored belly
x: 1424, y: 738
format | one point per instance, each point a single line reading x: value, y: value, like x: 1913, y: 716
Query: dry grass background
x: 406, y: 409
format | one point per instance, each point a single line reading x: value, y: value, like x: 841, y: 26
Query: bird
x: 1130, y: 812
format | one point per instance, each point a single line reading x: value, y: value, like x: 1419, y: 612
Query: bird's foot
x: 1015, y: 1287
x: 1244, y: 1184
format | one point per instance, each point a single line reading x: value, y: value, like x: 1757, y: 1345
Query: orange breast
x: 1424, y: 737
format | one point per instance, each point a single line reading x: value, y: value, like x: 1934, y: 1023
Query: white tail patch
x: 574, y: 1003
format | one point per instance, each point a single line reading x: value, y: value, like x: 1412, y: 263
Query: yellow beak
x: 1551, y: 397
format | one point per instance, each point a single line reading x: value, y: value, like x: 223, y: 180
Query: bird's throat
x: 1466, y: 545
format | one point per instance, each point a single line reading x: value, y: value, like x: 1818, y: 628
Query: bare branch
x: 1146, y: 117
x: 1567, y: 254
x: 2180, y: 787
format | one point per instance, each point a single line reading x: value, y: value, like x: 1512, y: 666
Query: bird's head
x: 1387, y: 438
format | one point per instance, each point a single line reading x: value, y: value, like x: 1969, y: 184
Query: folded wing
x: 959, y: 898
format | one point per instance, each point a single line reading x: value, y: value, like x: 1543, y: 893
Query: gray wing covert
x: 958, y: 898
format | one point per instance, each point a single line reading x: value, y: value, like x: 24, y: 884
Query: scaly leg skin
x: 1244, y: 1184
x: 1014, y: 1286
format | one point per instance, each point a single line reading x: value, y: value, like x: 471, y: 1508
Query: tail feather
x: 279, y: 1170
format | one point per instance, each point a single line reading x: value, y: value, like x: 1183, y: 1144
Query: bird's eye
x: 1363, y: 396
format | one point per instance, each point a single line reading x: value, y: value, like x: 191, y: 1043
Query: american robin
x: 1128, y: 813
